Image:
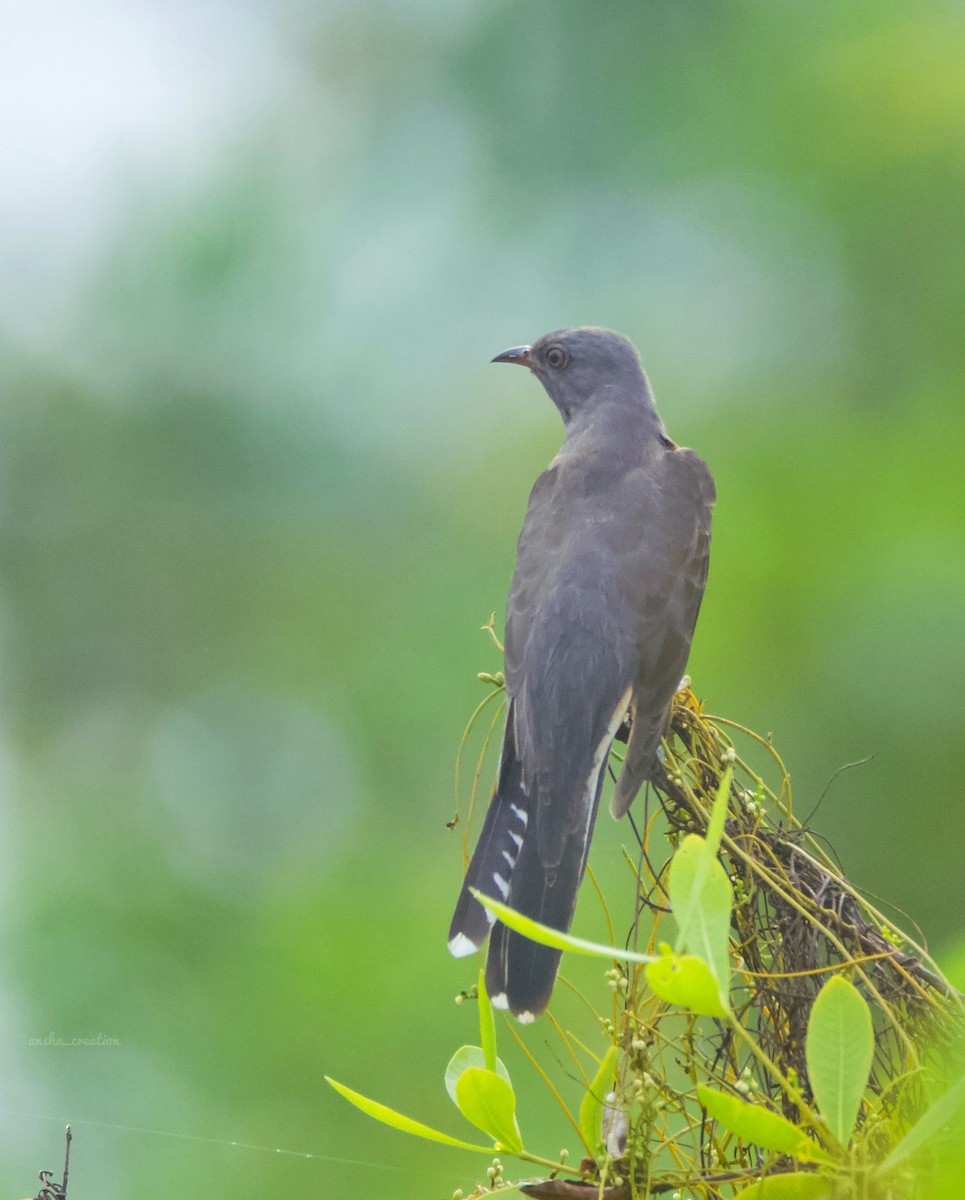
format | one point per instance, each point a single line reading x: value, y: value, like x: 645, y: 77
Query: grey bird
x: 610, y: 571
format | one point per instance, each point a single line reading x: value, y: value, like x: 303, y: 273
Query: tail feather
x: 520, y: 973
x: 495, y: 858
x: 508, y: 864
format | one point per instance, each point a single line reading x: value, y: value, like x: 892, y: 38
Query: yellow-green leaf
x: 593, y: 1103
x: 489, y: 1102
x: 839, y: 1048
x: 701, y: 898
x: 686, y: 980
x: 388, y: 1116
x: 756, y: 1124
x: 800, y: 1185
x: 487, y: 1025
x: 552, y: 937
x: 466, y: 1057
x: 718, y: 814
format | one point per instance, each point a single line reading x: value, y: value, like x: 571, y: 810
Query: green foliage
x: 483, y: 1093
x: 552, y: 937
x: 486, y: 1099
x: 688, y: 981
x: 487, y: 1025
x: 396, y: 1120
x: 478, y: 1084
x: 794, y: 1186
x: 594, y: 1100
x: 466, y: 1057
x: 701, y: 896
x: 840, y: 1049
x: 752, y: 1123
x: 700, y: 1034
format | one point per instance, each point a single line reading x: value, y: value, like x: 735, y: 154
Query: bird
x: 611, y: 566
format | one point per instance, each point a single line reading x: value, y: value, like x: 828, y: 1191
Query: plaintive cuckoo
x: 610, y: 571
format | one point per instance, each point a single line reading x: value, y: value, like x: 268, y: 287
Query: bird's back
x: 610, y: 569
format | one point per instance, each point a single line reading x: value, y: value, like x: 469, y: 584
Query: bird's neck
x: 612, y: 418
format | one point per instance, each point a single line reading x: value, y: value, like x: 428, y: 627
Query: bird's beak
x: 518, y: 354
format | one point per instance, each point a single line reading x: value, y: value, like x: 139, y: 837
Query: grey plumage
x: 610, y: 571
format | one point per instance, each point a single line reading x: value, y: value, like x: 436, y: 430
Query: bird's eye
x: 556, y: 357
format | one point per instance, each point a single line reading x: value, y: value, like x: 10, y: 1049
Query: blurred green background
x: 259, y: 489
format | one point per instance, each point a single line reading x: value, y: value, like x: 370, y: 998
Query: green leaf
x: 489, y: 1102
x: 927, y: 1125
x: 801, y: 1185
x: 686, y: 980
x: 839, y: 1048
x: 718, y: 814
x: 466, y: 1057
x: 756, y: 1124
x: 701, y: 898
x: 487, y: 1025
x: 388, y: 1116
x: 594, y: 1101
x: 552, y: 937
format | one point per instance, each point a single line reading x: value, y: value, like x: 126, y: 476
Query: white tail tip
x: 460, y: 946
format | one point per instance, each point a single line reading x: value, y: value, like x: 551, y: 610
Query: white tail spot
x: 460, y: 946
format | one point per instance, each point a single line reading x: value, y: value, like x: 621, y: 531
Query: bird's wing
x: 569, y: 645
x: 673, y: 572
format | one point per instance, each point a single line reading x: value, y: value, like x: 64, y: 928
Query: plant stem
x: 525, y: 1156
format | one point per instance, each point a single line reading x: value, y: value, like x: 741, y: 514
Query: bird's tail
x: 520, y: 973
x: 506, y: 864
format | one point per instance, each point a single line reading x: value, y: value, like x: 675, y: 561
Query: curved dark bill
x: 518, y: 354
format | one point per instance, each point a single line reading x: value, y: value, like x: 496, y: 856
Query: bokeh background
x: 259, y: 489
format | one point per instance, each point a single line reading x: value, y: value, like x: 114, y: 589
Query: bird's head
x: 581, y: 368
